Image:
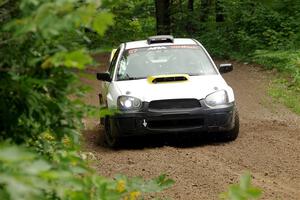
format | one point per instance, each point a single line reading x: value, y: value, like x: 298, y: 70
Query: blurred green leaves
x: 101, y: 21
x: 43, y: 42
x: 242, y: 191
x: 51, y: 18
x: 155, y: 185
x: 29, y: 177
x: 74, y: 59
x: 11, y: 154
x: 2, y: 2
x: 46, y: 23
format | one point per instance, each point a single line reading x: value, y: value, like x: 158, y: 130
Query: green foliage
x: 133, y: 20
x: 242, y: 191
x: 35, y: 79
x: 284, y: 92
x: 75, y: 59
x: 283, y: 61
x: 252, y: 25
x: 228, y: 28
x: 285, y: 89
x: 24, y: 175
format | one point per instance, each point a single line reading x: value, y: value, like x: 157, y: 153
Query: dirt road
x: 268, y: 146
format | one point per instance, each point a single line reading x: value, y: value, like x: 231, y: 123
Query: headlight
x: 129, y: 103
x: 217, y: 98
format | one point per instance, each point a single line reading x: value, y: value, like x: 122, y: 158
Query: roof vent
x: 160, y: 39
x: 168, y: 78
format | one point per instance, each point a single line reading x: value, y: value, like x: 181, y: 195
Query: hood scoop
x: 168, y: 78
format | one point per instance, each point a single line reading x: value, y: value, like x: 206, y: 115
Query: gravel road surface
x: 268, y: 146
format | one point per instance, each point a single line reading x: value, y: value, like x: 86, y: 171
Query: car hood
x: 197, y: 87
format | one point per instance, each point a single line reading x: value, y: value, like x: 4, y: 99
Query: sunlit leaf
x: 245, y: 181
x: 75, y: 59
x: 37, y: 167
x: 101, y: 21
x: 14, y: 154
x: 242, y: 191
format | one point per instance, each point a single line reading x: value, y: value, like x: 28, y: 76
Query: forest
x: 44, y: 43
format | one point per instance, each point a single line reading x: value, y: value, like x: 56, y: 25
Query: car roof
x: 144, y: 43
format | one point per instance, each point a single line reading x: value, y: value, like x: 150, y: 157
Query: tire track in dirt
x: 268, y: 146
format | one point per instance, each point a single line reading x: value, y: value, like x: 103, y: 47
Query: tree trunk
x: 219, y: 12
x: 207, y: 10
x: 190, y: 29
x: 163, y: 22
x: 191, y: 5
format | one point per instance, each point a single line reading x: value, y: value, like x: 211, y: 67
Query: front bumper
x: 202, y: 119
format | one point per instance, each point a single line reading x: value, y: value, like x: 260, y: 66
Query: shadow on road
x: 95, y: 138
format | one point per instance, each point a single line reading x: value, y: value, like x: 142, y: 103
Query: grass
x: 282, y: 93
x: 283, y: 61
x: 286, y: 88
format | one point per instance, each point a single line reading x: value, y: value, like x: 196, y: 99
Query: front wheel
x: 232, y: 134
x: 111, y: 138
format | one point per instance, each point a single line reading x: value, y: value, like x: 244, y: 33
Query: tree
x: 207, y: 11
x: 219, y: 11
x: 191, y: 5
x: 163, y: 22
x: 190, y: 25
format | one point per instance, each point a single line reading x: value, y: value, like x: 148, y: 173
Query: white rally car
x: 165, y: 84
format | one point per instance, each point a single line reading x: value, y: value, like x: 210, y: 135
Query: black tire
x: 111, y: 139
x: 232, y: 134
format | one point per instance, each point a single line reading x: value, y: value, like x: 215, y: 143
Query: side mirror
x: 224, y: 68
x: 103, y: 77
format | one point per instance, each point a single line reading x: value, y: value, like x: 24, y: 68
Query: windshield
x: 164, y: 60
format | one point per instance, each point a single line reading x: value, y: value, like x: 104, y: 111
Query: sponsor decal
x: 132, y: 51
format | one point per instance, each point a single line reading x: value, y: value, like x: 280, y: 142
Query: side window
x: 113, y: 63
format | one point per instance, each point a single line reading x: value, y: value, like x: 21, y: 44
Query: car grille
x: 174, y: 104
x: 175, y: 123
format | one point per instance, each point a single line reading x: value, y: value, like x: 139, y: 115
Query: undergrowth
x: 286, y: 88
x: 283, y: 93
